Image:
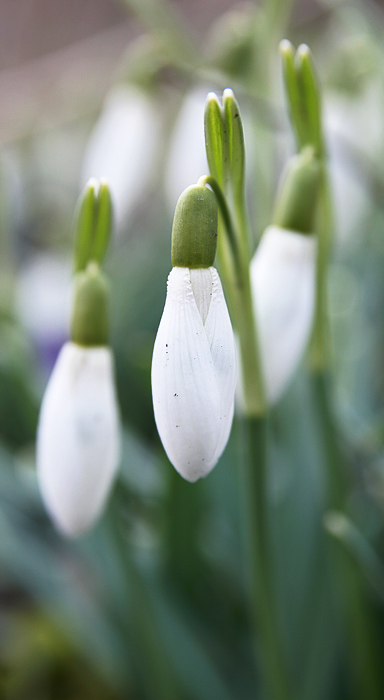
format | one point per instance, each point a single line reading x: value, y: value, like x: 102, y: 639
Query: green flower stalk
x: 224, y: 140
x: 305, y: 109
x: 226, y: 158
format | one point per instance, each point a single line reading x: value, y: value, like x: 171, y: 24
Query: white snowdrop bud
x: 78, y: 430
x: 283, y: 272
x: 78, y: 437
x: 193, y: 365
x: 194, y: 372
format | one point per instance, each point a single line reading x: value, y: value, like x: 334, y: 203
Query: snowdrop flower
x: 193, y: 366
x: 283, y: 285
x: 78, y: 437
x: 121, y: 147
x: 283, y: 275
x: 354, y: 130
x: 78, y: 430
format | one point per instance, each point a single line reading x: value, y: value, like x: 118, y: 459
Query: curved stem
x: 226, y: 216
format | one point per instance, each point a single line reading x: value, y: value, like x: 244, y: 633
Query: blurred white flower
x: 122, y: 147
x: 78, y: 437
x: 187, y: 160
x: 283, y: 285
x: 194, y: 372
x: 354, y: 131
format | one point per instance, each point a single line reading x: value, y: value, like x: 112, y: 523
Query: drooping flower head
x: 78, y: 433
x: 283, y: 275
x: 193, y: 365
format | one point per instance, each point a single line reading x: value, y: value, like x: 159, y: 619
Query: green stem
x: 318, y: 351
x: 252, y: 375
x: 359, y: 621
x: 226, y: 216
x: 336, y: 471
x: 234, y: 258
x: 258, y: 557
x: 243, y: 223
x: 159, y: 678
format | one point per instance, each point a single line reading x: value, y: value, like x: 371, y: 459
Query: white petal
x: 283, y: 284
x: 222, y: 344
x: 121, y: 147
x: 78, y: 437
x: 193, y: 377
x: 345, y: 115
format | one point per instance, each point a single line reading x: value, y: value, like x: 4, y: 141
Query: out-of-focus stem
x: 319, y: 351
x: 160, y: 678
x: 258, y: 556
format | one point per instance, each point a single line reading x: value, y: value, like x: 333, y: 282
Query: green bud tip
x: 212, y: 97
x: 92, y: 184
x: 286, y: 48
x: 89, y: 325
x: 296, y: 205
x: 93, y: 224
x: 194, y: 231
x: 228, y: 94
x: 303, y: 51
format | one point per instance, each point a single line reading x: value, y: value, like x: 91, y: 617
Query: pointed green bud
x: 292, y: 90
x: 89, y: 324
x: 84, y: 223
x: 103, y: 224
x: 303, y: 95
x: 194, y: 231
x: 213, y: 128
x: 310, y: 95
x: 93, y: 224
x: 296, y: 205
x: 235, y: 138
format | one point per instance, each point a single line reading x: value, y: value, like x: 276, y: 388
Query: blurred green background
x: 117, y: 89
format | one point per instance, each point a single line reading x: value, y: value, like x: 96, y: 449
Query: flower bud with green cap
x: 194, y: 230
x: 296, y: 205
x: 89, y: 324
x: 283, y: 274
x: 78, y: 439
x: 193, y: 364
